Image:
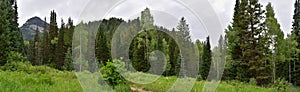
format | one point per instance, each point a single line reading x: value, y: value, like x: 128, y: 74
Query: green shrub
x: 15, y: 57
x: 12, y: 63
x: 27, y: 68
x: 252, y: 81
x: 16, y: 66
x: 199, y: 78
x: 281, y: 85
x: 110, y: 73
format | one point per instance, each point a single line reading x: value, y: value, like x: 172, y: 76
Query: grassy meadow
x: 41, y: 79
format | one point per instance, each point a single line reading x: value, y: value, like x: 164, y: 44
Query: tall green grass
x: 37, y: 82
x: 65, y: 81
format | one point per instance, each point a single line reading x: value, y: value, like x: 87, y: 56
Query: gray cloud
x: 166, y: 12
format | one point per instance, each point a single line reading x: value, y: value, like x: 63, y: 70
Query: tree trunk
x: 289, y: 71
x: 274, y: 71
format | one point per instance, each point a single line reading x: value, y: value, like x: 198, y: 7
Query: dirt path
x: 135, y: 88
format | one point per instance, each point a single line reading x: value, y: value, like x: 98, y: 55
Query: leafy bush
x: 15, y: 57
x: 252, y: 81
x: 110, y: 73
x: 27, y: 67
x: 199, y: 77
x: 16, y: 66
x: 281, y: 85
x: 17, y: 63
x: 12, y: 61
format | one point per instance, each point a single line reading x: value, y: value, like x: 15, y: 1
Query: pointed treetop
x: 270, y: 10
x: 147, y: 19
x: 296, y: 17
x: 297, y: 6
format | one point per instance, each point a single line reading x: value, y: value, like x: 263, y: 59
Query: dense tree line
x: 143, y: 46
x: 53, y: 47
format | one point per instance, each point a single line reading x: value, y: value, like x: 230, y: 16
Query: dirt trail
x: 135, y: 88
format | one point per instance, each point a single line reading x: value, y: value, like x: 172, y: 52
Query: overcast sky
x: 200, y: 14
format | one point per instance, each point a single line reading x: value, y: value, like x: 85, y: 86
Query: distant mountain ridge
x: 28, y: 28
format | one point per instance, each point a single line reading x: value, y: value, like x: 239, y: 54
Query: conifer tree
x: 68, y: 37
x: 248, y: 42
x: 174, y: 55
x: 206, y: 59
x: 200, y: 46
x: 36, y: 48
x: 45, y: 46
x: 219, y: 54
x: 10, y: 35
x: 184, y: 40
x: 53, y: 33
x: 234, y: 49
x: 102, y: 51
x: 60, y: 50
x: 296, y: 33
x: 146, y: 19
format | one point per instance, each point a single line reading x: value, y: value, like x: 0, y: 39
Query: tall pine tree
x: 10, y: 35
x: 206, y: 59
x: 296, y: 32
x: 45, y: 46
x: 60, y: 50
x: 236, y: 68
x: 247, y: 42
x: 53, y: 33
x: 102, y: 50
x: 36, y: 48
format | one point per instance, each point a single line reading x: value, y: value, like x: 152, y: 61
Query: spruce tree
x: 45, y: 46
x: 247, y: 42
x: 200, y: 46
x: 255, y: 48
x: 220, y: 56
x: 53, y: 33
x: 10, y: 35
x: 187, y: 48
x: 60, y: 50
x: 296, y: 33
x: 146, y: 19
x: 36, y: 48
x: 206, y: 59
x: 234, y: 48
x: 174, y: 55
x: 102, y: 51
